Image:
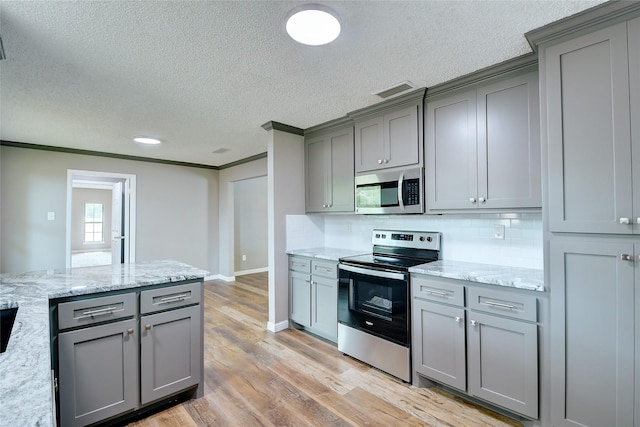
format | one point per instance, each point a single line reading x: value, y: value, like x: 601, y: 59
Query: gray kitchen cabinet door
x: 300, y: 298
x: 592, y: 333
x: 98, y: 372
x: 451, y: 152
x: 369, y: 144
x: 503, y: 362
x: 341, y: 171
x: 318, y: 181
x: 633, y: 28
x: 170, y: 358
x: 508, y: 136
x: 589, y: 145
x: 324, y: 307
x: 401, y: 141
x: 439, y: 343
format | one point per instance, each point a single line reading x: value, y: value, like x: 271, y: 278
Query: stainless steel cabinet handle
x: 472, y: 199
x: 174, y: 298
x: 457, y: 319
x: 625, y: 257
x: 368, y: 323
x: 501, y: 305
x: 482, y: 200
x: 328, y: 270
x: 624, y: 221
x: 130, y: 331
x: 473, y: 323
x: 438, y: 293
x: 99, y: 312
x: 147, y: 327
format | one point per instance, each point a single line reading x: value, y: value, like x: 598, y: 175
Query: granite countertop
x: 513, y: 277
x: 25, y: 368
x: 332, y: 254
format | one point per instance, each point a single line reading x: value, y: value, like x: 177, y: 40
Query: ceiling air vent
x: 394, y: 90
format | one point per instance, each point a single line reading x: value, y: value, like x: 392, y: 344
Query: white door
x: 117, y: 235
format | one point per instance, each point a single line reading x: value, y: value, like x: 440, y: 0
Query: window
x: 93, y: 223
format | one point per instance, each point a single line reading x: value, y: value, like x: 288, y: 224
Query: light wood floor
x: 257, y: 378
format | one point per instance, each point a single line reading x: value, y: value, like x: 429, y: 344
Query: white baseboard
x: 220, y: 277
x: 255, y: 270
x: 277, y: 327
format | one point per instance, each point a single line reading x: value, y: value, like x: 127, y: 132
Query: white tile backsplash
x: 464, y: 237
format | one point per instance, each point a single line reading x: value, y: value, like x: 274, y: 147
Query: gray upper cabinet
x: 592, y: 338
x: 483, y: 146
x: 389, y: 139
x: 592, y: 90
x: 329, y: 171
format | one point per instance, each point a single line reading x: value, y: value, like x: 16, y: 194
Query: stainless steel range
x: 374, y: 313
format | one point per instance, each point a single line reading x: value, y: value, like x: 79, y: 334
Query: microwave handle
x: 400, y: 184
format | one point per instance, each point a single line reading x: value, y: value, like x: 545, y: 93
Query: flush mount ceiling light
x: 147, y: 141
x: 313, y: 24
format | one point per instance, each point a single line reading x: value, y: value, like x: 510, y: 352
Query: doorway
x: 100, y: 218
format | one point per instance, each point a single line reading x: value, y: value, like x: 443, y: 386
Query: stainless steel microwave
x: 391, y: 192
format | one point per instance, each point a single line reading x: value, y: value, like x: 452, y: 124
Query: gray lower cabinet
x: 98, y: 375
x: 313, y: 295
x: 483, y: 146
x: 593, y: 313
x: 487, y: 348
x: 112, y: 360
x: 170, y: 358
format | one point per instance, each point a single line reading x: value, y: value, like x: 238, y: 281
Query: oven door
x: 376, y: 302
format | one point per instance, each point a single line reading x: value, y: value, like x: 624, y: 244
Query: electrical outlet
x: 244, y: 257
x: 499, y: 232
x: 51, y: 216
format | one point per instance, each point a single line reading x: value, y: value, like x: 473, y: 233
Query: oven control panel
x: 407, y: 239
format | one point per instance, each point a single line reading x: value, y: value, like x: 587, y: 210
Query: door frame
x: 129, y: 223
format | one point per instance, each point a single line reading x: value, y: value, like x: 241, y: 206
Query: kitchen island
x: 25, y: 367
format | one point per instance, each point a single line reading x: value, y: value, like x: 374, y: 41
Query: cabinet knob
x: 147, y: 327
x: 482, y: 200
x: 472, y: 199
x: 379, y: 161
x: 130, y: 331
x: 625, y: 221
x: 474, y: 323
x: 457, y: 319
x: 625, y: 257
x: 638, y: 220
x: 385, y: 161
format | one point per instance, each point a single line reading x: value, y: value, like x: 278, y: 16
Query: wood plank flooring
x: 254, y: 377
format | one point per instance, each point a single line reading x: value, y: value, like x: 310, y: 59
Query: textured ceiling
x: 205, y: 75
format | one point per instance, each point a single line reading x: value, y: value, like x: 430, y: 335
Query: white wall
x: 177, y: 209
x: 80, y: 197
x: 465, y: 237
x: 250, y: 225
x: 227, y: 178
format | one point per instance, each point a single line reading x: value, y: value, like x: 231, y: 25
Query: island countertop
x: 25, y: 368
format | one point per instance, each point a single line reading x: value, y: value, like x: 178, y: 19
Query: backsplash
x: 464, y: 237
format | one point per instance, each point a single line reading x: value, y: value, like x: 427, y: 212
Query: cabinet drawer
x: 437, y: 290
x: 302, y: 265
x: 170, y: 297
x: 523, y: 307
x: 324, y: 268
x: 96, y: 310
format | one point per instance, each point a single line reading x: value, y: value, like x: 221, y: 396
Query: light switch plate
x: 51, y: 216
x: 499, y: 232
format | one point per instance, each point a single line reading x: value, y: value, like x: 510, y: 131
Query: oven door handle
x: 371, y: 272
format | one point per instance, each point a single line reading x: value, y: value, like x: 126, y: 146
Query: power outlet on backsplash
x: 498, y: 232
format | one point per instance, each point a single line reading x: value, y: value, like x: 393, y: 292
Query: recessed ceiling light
x: 148, y: 141
x: 313, y: 24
